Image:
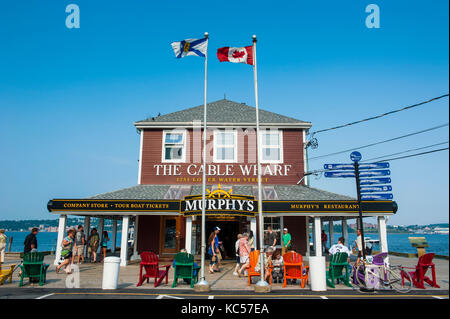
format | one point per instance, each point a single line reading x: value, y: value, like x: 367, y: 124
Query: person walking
x: 286, y: 241
x: 94, y: 241
x: 2, y: 245
x: 358, y: 246
x: 218, y: 253
x: 236, y: 248
x: 324, y: 239
x: 30, y: 244
x: 271, y: 238
x: 251, y: 241
x: 104, y: 243
x: 244, y: 252
x: 66, y: 251
x: 78, y: 249
x: 212, y: 251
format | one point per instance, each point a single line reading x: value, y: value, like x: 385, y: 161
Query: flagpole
x: 261, y: 285
x: 203, y: 284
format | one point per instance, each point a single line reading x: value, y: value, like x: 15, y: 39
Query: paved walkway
x: 90, y: 276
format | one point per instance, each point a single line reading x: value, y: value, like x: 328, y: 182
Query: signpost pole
x: 203, y: 284
x: 361, y: 224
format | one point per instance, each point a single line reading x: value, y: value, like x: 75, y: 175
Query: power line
x: 384, y: 160
x: 412, y: 155
x: 381, y: 142
x: 407, y: 151
x: 381, y: 115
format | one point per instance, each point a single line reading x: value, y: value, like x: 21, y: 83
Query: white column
x: 135, y: 255
x: 188, y: 238
x: 313, y: 233
x: 345, y: 232
x: 124, y: 241
x: 253, y: 228
x: 331, y: 232
x: 61, y: 232
x: 382, y: 233
x: 307, y: 235
x: 321, y: 227
x: 87, y: 231
x: 114, y: 236
x: 317, y: 236
x: 101, y: 224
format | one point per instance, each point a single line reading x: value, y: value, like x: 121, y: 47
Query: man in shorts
x: 78, y: 249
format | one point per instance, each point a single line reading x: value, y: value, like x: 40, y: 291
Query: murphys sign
x: 219, y: 202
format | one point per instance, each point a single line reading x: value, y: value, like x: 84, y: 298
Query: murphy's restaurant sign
x: 219, y: 202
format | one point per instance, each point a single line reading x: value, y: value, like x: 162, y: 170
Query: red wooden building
x: 162, y: 209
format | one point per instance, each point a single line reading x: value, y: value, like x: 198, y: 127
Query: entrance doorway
x: 170, y: 235
x: 230, y: 227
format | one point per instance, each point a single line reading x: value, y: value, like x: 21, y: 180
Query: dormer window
x: 271, y: 146
x: 174, y: 146
x: 225, y: 142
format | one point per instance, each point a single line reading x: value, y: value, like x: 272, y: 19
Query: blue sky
x: 69, y: 97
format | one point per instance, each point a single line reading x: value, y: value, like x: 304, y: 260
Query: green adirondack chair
x: 185, y: 268
x: 33, y: 266
x: 338, y: 270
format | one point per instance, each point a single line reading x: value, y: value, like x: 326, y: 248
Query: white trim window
x: 225, y: 146
x: 174, y: 146
x: 271, y: 146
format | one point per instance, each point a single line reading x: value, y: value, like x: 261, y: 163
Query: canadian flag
x: 236, y: 55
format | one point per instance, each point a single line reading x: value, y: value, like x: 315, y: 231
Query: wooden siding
x: 152, y: 151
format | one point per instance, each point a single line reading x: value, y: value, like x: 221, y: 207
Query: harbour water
x: 46, y: 240
x: 439, y: 243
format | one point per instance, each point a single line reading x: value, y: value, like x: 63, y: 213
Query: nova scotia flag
x: 190, y: 47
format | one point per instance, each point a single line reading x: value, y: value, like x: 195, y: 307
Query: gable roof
x: 284, y: 192
x: 222, y: 113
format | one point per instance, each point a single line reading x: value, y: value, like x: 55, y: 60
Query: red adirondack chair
x: 418, y: 276
x: 294, y: 269
x: 149, y: 262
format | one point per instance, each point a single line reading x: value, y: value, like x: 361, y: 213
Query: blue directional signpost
x: 371, y: 183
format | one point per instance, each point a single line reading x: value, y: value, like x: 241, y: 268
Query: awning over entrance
x: 292, y: 200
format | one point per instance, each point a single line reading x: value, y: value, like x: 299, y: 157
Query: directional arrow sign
x: 381, y: 188
x: 373, y: 165
x: 381, y: 172
x: 339, y: 174
x: 373, y: 181
x: 376, y: 196
x: 339, y: 166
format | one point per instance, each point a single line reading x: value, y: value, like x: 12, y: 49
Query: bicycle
x: 378, y: 274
